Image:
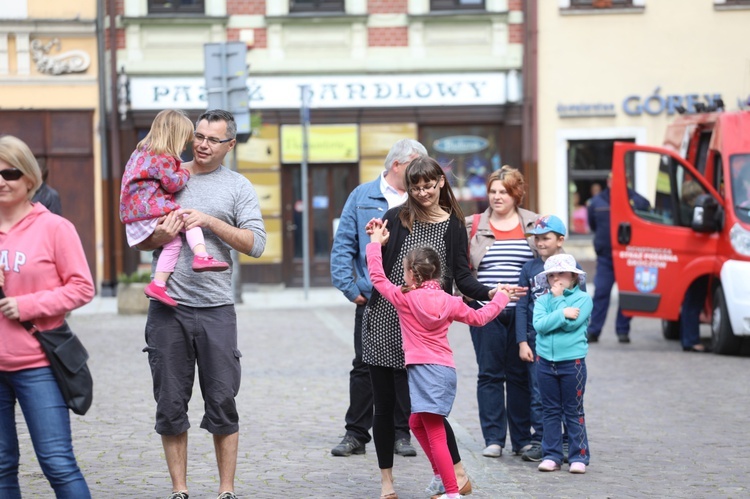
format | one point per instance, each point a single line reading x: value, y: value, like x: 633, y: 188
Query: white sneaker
x: 493, y: 450
x: 435, y: 487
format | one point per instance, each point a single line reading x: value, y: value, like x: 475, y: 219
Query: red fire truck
x: 698, y: 225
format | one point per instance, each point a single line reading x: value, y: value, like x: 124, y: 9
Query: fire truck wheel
x: 670, y: 329
x: 723, y: 340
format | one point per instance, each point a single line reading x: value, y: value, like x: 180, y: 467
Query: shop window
x: 589, y: 164
x: 316, y: 6
x: 456, y: 5
x: 176, y: 6
x: 468, y: 154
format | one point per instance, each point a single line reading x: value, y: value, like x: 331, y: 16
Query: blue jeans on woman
x: 48, y: 421
x: 501, y: 370
x: 562, y: 385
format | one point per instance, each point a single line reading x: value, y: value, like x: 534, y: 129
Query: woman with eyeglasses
x: 498, y: 250
x: 44, y: 275
x: 430, y: 216
x: 152, y: 176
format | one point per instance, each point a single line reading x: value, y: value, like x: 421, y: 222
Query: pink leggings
x: 170, y: 252
x: 430, y: 432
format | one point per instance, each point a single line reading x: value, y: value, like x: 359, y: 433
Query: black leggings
x: 384, y: 381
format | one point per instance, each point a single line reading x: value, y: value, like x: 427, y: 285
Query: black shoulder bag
x: 67, y: 357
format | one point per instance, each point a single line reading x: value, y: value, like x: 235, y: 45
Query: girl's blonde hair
x: 170, y: 132
x: 17, y: 154
x: 424, y: 262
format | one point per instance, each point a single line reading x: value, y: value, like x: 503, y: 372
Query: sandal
x: 698, y: 348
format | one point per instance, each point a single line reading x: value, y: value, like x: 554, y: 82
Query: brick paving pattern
x: 662, y: 423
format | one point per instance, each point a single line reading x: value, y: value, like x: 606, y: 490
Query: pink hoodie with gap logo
x: 48, y: 275
x: 426, y: 314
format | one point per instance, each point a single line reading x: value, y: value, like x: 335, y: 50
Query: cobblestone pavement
x: 661, y: 422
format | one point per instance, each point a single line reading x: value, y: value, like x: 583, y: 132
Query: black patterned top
x: 381, y: 331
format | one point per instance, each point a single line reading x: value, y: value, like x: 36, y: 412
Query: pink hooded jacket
x: 47, y: 275
x: 426, y: 314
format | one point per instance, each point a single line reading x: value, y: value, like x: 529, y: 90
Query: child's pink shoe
x: 548, y: 465
x: 578, y: 468
x: 159, y: 293
x: 208, y: 264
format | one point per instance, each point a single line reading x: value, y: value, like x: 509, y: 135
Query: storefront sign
x: 655, y: 103
x: 326, y: 144
x: 584, y: 110
x: 355, y: 91
x: 460, y: 144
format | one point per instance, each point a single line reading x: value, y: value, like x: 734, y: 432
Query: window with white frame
x: 457, y: 5
x: 316, y: 6
x: 599, y: 4
x: 176, y: 6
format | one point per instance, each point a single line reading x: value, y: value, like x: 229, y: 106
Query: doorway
x: 329, y: 186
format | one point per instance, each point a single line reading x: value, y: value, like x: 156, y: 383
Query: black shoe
x: 178, y: 495
x: 623, y: 338
x: 592, y: 338
x: 534, y: 454
x: 348, y: 446
x: 403, y: 447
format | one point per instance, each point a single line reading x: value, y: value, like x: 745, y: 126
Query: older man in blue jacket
x: 349, y: 274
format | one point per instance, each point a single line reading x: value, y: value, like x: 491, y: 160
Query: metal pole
x: 305, y: 120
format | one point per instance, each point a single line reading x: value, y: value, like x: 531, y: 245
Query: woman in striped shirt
x: 498, y: 250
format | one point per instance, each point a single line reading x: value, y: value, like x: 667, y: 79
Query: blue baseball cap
x: 547, y: 223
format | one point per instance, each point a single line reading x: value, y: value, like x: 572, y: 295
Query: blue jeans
x: 603, y: 282
x: 562, y: 385
x: 501, y: 368
x: 48, y: 421
x: 535, y: 406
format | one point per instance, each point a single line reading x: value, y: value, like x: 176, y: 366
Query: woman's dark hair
x: 426, y: 169
x: 424, y: 261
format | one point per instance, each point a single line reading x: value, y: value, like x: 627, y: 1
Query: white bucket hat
x: 562, y: 262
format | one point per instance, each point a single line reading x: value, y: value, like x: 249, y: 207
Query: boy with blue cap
x: 549, y: 235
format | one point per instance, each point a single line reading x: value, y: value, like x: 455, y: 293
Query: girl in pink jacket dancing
x: 151, y: 179
x: 425, y: 312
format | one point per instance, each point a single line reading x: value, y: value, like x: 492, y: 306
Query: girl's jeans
x: 562, y: 385
x: 48, y: 421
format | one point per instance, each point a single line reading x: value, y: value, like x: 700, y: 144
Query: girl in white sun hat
x: 560, y: 319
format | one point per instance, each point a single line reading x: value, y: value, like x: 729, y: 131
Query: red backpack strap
x: 474, y: 225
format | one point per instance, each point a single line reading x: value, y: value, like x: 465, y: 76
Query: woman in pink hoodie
x: 44, y: 275
x: 425, y: 312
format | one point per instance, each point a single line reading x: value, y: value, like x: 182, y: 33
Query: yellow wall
x: 605, y: 57
x: 70, y: 21
x: 57, y: 9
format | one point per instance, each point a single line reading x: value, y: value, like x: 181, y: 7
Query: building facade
x: 621, y: 70
x: 445, y: 72
x: 50, y: 98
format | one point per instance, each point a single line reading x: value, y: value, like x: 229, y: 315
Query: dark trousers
x: 562, y: 386
x: 360, y: 412
x: 503, y: 392
x: 603, y: 282
x: 690, y: 312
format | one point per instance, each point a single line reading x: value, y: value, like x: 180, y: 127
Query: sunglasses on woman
x: 11, y: 174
